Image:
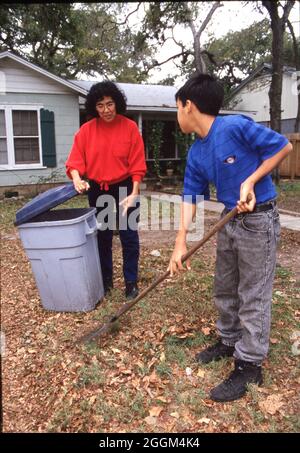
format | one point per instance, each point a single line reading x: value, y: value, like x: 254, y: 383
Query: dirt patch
x: 288, y: 254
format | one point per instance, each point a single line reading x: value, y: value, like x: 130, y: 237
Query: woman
x: 108, y: 150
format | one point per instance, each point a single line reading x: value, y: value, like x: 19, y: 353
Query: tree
x: 278, y: 25
x: 296, y: 51
x: 40, y: 32
x: 71, y: 40
x: 161, y: 19
x: 238, y: 53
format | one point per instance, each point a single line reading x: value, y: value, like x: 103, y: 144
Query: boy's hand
x: 175, y: 263
x: 247, y: 199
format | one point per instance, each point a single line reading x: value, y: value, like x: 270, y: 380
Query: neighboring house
x: 40, y: 113
x: 252, y: 94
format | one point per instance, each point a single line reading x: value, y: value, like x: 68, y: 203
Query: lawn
x: 142, y: 377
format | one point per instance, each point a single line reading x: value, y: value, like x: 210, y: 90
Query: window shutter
x: 48, y: 138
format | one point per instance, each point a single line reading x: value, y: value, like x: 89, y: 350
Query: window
x: 20, y: 137
x: 3, y: 140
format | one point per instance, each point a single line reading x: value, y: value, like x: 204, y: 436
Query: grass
x: 289, y: 195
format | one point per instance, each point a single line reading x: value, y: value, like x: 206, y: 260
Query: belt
x: 258, y: 208
x: 264, y: 206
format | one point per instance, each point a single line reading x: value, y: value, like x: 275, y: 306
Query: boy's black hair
x: 97, y: 93
x: 204, y: 91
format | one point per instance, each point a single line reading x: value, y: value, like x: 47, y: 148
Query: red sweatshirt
x: 108, y: 152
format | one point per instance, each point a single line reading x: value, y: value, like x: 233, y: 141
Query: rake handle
x: 128, y: 305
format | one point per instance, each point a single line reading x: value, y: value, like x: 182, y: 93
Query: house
x: 40, y: 113
x: 145, y: 105
x: 38, y: 119
x: 252, y: 94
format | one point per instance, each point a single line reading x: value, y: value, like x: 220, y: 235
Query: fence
x: 290, y: 166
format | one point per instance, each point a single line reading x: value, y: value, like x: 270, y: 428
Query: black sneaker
x: 215, y: 352
x: 131, y: 290
x: 108, y: 286
x: 235, y: 386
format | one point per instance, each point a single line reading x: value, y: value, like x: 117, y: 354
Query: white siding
x: 254, y: 96
x: 66, y: 118
x: 20, y: 79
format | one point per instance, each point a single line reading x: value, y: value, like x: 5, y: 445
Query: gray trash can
x: 62, y: 248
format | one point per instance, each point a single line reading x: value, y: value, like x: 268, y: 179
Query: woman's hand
x: 128, y: 202
x: 81, y: 185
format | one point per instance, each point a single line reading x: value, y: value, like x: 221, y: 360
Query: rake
x: 128, y: 305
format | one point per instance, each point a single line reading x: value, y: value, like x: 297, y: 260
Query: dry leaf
x: 179, y: 318
x: 206, y: 330
x: 126, y: 371
x: 175, y: 415
x: 162, y: 357
x: 172, y: 329
x: 204, y: 420
x: 271, y: 404
x: 201, y: 373
x: 155, y: 411
x: 274, y: 340
x: 185, y: 335
x: 162, y: 399
x: 153, y: 377
x: 116, y: 351
x: 92, y: 399
x: 152, y: 362
x: 188, y: 371
x: 150, y: 420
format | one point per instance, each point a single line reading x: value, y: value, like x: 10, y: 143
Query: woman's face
x: 106, y: 108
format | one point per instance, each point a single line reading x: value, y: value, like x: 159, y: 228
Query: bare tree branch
x: 117, y: 24
x: 208, y: 18
x: 156, y: 63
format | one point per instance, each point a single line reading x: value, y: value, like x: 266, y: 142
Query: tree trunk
x: 278, y: 26
x: 297, y: 67
x: 277, y: 64
x: 199, y: 61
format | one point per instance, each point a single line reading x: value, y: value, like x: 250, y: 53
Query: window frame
x: 11, y: 158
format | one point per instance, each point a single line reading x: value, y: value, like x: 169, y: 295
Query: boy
x: 237, y: 155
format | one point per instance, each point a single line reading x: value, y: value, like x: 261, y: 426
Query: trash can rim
x: 46, y: 223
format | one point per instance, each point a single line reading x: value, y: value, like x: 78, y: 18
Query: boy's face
x: 183, y: 116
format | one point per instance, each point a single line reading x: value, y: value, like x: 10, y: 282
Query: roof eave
x: 44, y: 72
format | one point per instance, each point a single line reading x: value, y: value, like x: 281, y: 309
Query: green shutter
x: 48, y: 138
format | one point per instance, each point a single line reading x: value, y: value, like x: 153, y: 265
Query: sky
x: 232, y: 16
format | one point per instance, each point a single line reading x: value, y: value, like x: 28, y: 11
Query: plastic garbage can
x: 62, y: 248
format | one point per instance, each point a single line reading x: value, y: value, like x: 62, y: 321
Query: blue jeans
x: 129, y: 236
x: 245, y: 268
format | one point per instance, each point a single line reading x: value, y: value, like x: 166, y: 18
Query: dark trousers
x: 128, y: 232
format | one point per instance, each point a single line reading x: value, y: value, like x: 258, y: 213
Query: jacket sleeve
x: 136, y: 158
x: 76, y: 159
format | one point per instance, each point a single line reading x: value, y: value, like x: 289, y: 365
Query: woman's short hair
x: 97, y: 93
